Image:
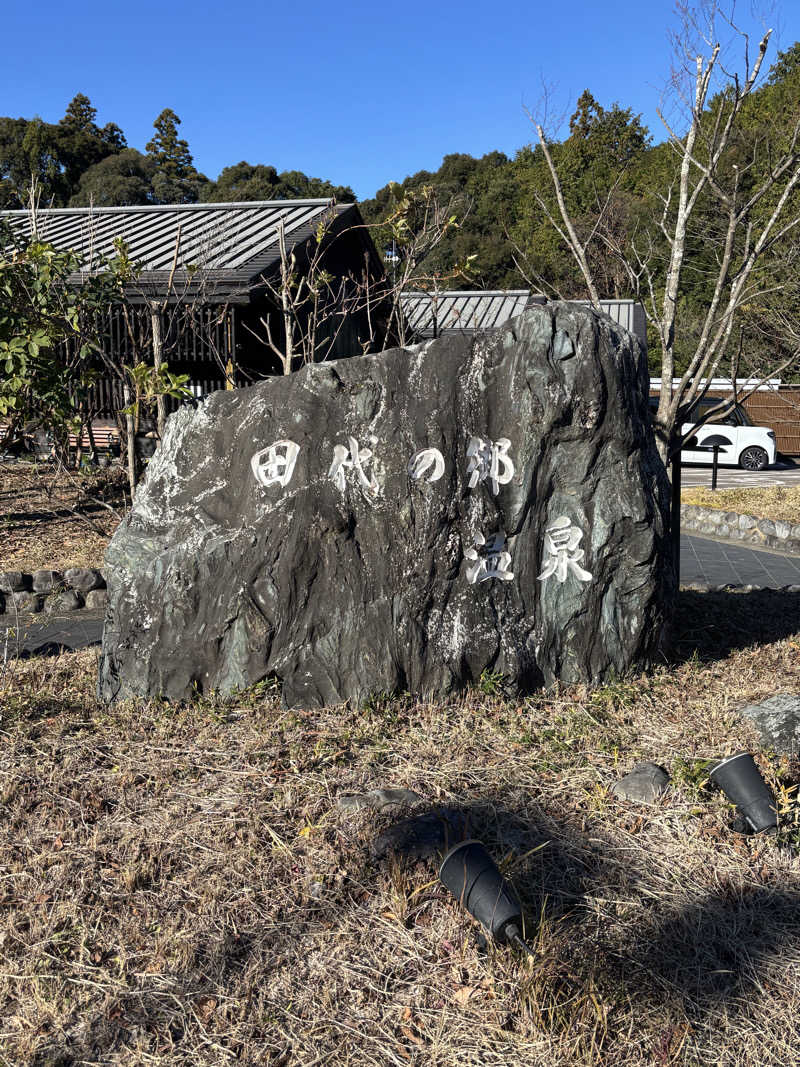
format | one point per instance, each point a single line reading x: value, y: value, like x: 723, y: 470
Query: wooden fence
x: 780, y: 410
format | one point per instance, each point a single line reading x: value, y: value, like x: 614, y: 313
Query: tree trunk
x: 158, y: 353
x: 90, y: 435
x: 129, y: 432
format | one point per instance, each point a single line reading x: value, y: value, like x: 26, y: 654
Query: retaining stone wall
x: 748, y: 529
x: 26, y: 593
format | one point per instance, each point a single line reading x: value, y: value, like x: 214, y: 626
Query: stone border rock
x: 28, y: 593
x: 747, y: 529
x: 731, y: 587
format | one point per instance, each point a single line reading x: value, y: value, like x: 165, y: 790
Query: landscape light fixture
x: 472, y: 876
x: 740, y: 780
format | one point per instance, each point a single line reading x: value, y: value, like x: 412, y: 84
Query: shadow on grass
x: 54, y: 648
x: 714, y: 624
x: 711, y: 955
x: 547, y: 866
x: 717, y: 954
x: 247, y: 961
x: 23, y: 707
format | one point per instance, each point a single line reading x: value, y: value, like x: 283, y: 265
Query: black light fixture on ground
x: 472, y: 876
x: 740, y: 780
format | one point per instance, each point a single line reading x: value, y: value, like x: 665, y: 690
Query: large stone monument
x: 403, y: 521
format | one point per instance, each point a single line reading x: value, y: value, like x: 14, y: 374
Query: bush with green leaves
x: 50, y: 349
x: 48, y: 334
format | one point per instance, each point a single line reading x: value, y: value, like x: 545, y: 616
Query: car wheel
x: 753, y: 459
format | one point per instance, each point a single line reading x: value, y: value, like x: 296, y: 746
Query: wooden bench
x: 106, y: 439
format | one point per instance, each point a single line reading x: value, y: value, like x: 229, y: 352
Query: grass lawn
x: 179, y: 886
x: 777, y: 502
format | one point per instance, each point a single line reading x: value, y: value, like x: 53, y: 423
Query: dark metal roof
x: 628, y: 313
x: 232, y: 244
x: 429, y: 315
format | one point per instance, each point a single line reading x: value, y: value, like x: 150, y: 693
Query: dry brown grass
x: 776, y: 502
x: 179, y: 887
x: 52, y: 518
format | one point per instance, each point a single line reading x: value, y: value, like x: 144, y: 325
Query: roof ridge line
x: 156, y: 208
x: 469, y: 292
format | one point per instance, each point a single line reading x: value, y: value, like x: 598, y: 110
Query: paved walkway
x: 34, y: 634
x: 723, y: 563
x: 785, y: 472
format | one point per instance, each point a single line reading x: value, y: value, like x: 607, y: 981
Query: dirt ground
x: 179, y: 886
x: 56, y: 518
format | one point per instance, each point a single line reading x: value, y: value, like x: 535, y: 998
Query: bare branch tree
x: 757, y: 220
x: 312, y: 302
x: 157, y: 309
x: 567, y: 232
x: 417, y: 225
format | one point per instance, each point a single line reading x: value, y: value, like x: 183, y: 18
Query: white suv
x: 741, y: 444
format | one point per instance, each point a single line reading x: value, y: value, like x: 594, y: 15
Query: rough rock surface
x: 69, y: 600
x: 14, y: 581
x: 46, y: 581
x: 26, y: 603
x: 778, y: 721
x: 402, y: 521
x: 84, y: 579
x: 644, y: 784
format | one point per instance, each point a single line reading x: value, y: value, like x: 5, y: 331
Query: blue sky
x: 358, y: 93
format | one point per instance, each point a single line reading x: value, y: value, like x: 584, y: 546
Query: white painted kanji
x: 422, y: 461
x: 490, y: 559
x: 561, y: 552
x: 356, y: 459
x: 489, y: 461
x: 274, y: 465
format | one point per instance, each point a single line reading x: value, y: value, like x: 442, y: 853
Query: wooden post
x: 675, y: 513
x: 129, y: 431
x: 158, y: 353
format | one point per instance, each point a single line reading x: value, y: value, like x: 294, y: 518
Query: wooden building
x: 213, y: 274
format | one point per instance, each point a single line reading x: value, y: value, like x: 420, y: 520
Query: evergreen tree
x: 29, y: 153
x: 169, y: 152
x: 786, y: 67
x: 125, y: 178
x: 176, y: 181
x: 113, y: 137
x: 81, y: 144
x: 41, y: 153
x: 14, y: 163
x: 245, y: 181
x: 80, y: 114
